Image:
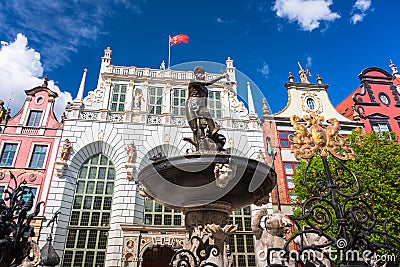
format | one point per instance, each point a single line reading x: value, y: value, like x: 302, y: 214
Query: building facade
x: 376, y: 101
x: 29, y: 143
x: 135, y: 115
x: 303, y: 98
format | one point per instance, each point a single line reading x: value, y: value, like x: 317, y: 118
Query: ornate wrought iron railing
x: 337, y: 226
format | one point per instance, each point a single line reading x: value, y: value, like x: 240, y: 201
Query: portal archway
x: 157, y: 256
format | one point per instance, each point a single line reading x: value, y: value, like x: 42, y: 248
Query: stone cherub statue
x: 270, y: 231
x: 66, y: 150
x: 197, y: 113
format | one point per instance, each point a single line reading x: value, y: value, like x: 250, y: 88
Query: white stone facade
x: 93, y: 127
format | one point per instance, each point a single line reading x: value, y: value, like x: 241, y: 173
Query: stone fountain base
x: 207, y: 188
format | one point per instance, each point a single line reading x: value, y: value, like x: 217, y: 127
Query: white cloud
x: 359, y: 10
x: 219, y: 20
x: 357, y: 18
x: 362, y: 5
x: 59, y: 27
x: 264, y: 70
x: 20, y: 70
x: 309, y: 62
x: 307, y: 13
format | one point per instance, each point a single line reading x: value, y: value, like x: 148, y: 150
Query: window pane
x: 97, y: 203
x: 88, y: 203
x: 92, y: 239
x: 85, y: 218
x: 78, y: 261
x: 81, y: 242
x: 90, y: 187
x: 34, y: 118
x: 95, y: 219
x: 8, y: 154
x: 100, y: 188
x: 71, y: 238
x: 38, y: 156
x: 80, y: 188
x: 74, y: 218
x: 157, y: 219
x: 109, y: 188
x: 89, y: 258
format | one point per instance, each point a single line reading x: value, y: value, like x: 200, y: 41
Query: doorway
x: 157, y: 257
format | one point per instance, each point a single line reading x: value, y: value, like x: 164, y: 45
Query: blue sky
x: 266, y: 39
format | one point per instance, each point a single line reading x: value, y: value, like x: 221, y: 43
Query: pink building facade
x: 29, y: 143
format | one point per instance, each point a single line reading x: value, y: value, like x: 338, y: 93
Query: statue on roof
x: 303, y: 74
x: 393, y: 68
x: 162, y: 66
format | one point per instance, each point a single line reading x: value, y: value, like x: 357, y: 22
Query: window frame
x: 378, y: 123
x: 294, y: 165
x: 179, y: 107
x: 215, y: 101
x: 31, y: 153
x: 18, y: 143
x: 29, y: 116
x: 288, y: 133
x: 152, y: 107
x: 36, y: 196
x: 118, y: 102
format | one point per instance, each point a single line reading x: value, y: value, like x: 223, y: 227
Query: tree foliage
x: 377, y: 167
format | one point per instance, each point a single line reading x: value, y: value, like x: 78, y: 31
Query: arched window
x: 90, y: 218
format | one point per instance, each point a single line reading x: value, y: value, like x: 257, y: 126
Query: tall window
x: 156, y: 100
x: 289, y: 170
x: 284, y: 138
x: 90, y: 218
x: 214, y: 104
x: 8, y: 154
x: 38, y: 156
x: 242, y: 245
x: 28, y: 193
x: 179, y: 100
x: 156, y: 214
x: 118, y: 98
x: 34, y: 118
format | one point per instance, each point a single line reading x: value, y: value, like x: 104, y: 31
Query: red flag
x: 177, y: 39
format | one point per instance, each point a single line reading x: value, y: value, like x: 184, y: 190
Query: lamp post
x: 138, y: 259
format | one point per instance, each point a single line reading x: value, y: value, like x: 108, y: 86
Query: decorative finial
x: 84, y: 70
x: 356, y: 115
x: 393, y: 68
x: 319, y: 79
x: 265, y: 109
x: 303, y: 74
x: 46, y: 81
x: 291, y: 77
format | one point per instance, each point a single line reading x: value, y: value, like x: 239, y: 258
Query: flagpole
x: 169, y: 50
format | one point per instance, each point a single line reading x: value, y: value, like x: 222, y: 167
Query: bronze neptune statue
x: 198, y: 115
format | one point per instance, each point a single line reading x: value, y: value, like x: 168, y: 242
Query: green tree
x: 377, y: 167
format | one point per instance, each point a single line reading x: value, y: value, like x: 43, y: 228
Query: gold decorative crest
x: 311, y: 136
